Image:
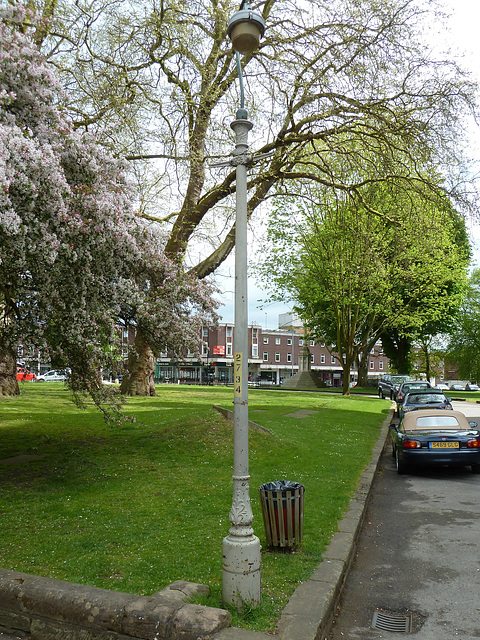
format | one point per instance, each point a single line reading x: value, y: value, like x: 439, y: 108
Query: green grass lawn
x: 469, y: 396
x: 135, y: 506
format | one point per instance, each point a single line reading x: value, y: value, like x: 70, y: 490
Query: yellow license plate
x: 444, y: 445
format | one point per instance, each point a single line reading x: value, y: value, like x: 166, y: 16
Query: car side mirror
x: 449, y: 399
x: 393, y: 427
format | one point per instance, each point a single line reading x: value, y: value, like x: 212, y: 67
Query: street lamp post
x: 241, y: 548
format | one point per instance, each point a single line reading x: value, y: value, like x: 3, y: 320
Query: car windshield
x: 425, y: 398
x: 417, y: 385
x: 399, y: 379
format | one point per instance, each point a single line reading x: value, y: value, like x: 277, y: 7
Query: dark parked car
x: 388, y: 385
x: 471, y: 387
x: 408, y: 387
x: 435, y: 437
x: 425, y: 399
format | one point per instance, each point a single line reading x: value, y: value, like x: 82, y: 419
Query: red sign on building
x: 218, y: 350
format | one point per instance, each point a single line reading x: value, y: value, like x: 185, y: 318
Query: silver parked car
x: 55, y: 375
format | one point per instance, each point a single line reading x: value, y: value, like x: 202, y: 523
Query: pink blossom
x: 74, y: 257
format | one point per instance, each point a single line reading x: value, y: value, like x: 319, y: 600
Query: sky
x: 463, y: 37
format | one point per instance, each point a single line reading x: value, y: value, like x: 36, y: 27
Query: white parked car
x: 55, y: 375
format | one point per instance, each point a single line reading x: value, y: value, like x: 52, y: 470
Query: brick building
x: 272, y: 358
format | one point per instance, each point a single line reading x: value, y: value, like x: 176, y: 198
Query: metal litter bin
x: 282, y: 510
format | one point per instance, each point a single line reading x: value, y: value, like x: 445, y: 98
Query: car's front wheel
x: 399, y: 463
x: 380, y: 394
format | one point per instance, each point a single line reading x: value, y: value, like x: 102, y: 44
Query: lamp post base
x: 241, y: 571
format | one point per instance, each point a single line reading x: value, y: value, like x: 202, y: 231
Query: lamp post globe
x: 241, y: 580
x: 245, y: 29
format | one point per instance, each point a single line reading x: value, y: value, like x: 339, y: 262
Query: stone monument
x: 305, y: 378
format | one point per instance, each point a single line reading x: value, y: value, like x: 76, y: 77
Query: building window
x: 277, y: 357
x: 322, y: 344
x: 229, y: 332
x: 380, y: 365
x: 205, y: 332
x: 289, y: 341
x: 265, y: 340
x: 332, y: 359
x: 289, y: 357
x: 229, y: 349
x: 322, y: 358
x: 204, y: 350
x: 300, y: 342
x: 372, y: 364
x: 277, y: 340
x: 312, y: 343
x: 265, y: 356
x: 254, y: 334
x: 312, y: 358
x: 254, y: 350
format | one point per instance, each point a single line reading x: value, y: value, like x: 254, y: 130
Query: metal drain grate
x: 400, y: 622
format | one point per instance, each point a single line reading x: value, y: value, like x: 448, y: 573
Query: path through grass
x: 136, y: 506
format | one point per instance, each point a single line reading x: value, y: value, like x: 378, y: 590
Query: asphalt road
x: 418, y: 557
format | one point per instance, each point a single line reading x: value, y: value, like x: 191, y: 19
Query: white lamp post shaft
x: 241, y: 548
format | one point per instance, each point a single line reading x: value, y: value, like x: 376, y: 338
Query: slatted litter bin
x: 282, y: 510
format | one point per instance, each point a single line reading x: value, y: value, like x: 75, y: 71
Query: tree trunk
x: 426, y: 354
x: 362, y: 362
x: 346, y: 366
x: 398, y: 349
x: 138, y: 381
x: 8, y: 374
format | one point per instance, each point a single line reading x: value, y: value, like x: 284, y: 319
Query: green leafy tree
x: 344, y: 267
x: 433, y: 287
x: 430, y: 356
x: 464, y: 344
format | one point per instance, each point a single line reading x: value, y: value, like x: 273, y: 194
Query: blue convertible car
x: 435, y: 436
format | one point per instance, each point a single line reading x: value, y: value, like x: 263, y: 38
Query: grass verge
x: 135, y: 506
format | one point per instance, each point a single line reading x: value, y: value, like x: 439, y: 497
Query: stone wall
x: 37, y: 608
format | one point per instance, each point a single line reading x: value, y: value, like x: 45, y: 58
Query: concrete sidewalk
x: 310, y: 610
